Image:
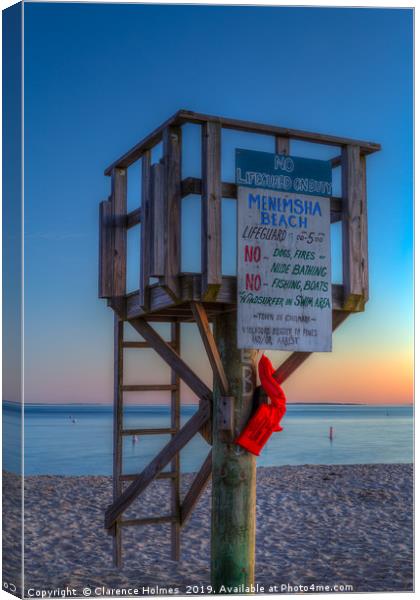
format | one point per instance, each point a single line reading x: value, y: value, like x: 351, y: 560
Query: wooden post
x: 234, y: 470
x: 175, y: 463
x: 119, y: 213
x: 355, y: 264
x: 157, y: 263
x: 105, y: 249
x: 282, y: 145
x: 172, y: 151
x: 118, y: 425
x: 211, y: 213
x: 146, y: 230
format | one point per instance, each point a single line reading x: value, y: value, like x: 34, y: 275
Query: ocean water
x: 77, y: 439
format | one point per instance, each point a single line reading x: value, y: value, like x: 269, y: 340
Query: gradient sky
x: 100, y: 77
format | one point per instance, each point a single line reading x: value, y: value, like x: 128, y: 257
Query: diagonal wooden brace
x: 160, y: 461
x: 173, y: 359
x: 209, y: 342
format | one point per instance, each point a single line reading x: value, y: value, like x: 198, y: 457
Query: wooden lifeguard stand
x: 167, y: 294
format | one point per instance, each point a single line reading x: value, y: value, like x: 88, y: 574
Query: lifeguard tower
x: 167, y: 294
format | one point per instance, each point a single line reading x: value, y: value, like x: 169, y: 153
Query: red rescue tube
x: 267, y: 417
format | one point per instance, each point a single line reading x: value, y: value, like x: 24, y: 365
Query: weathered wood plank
x: 211, y: 217
x: 161, y: 305
x: 132, y: 476
x: 282, y: 145
x: 355, y: 263
x: 157, y: 268
x: 148, y: 521
x: 234, y: 472
x: 158, y: 387
x: 146, y: 231
x: 263, y: 128
x: 133, y: 218
x: 197, y: 487
x: 193, y: 185
x: 336, y: 161
x: 119, y: 255
x: 172, y: 150
x: 118, y: 424
x: 160, y: 461
x: 140, y: 344
x: 364, y: 231
x: 203, y: 324
x: 294, y: 361
x: 105, y: 250
x: 173, y: 359
x: 147, y: 143
x: 185, y: 116
x: 150, y: 431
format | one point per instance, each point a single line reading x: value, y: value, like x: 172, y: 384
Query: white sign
x: 284, y: 270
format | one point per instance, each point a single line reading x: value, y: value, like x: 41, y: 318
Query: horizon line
x: 110, y: 404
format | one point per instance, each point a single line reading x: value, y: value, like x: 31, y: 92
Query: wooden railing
x: 160, y: 216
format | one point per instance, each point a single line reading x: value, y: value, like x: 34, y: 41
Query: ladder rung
x: 133, y: 476
x: 141, y: 344
x: 157, y: 431
x: 148, y: 388
x: 149, y: 521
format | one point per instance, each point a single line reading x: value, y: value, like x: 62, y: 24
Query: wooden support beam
x: 157, y: 247
x: 150, y: 431
x: 148, y: 521
x: 143, y: 146
x: 141, y: 345
x: 119, y: 254
x: 105, y: 250
x: 154, y: 387
x: 133, y: 476
x: 355, y: 263
x: 187, y: 116
x: 211, y: 217
x: 160, y: 461
x: 173, y: 359
x: 176, y: 462
x: 197, y: 487
x: 294, y: 361
x: 364, y: 230
x: 118, y: 424
x: 282, y: 145
x: 133, y: 218
x: 146, y: 230
x: 172, y: 150
x: 203, y: 324
x: 194, y: 185
x: 265, y: 129
x: 336, y: 161
x: 234, y: 471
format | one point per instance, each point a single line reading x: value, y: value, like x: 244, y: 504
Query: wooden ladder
x: 173, y: 475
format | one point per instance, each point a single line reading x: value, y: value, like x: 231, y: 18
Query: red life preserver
x: 267, y: 417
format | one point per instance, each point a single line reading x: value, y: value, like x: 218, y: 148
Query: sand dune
x: 316, y: 525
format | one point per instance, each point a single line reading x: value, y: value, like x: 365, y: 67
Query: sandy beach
x: 316, y: 526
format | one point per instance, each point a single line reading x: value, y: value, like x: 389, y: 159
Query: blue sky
x: 100, y: 77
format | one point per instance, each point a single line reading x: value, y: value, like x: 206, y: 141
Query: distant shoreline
x: 96, y: 404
